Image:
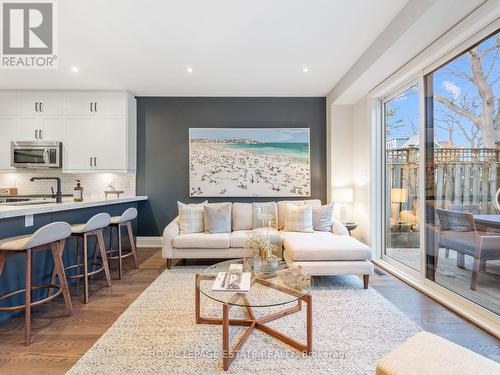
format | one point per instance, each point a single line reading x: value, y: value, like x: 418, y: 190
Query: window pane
x: 401, y: 177
x: 462, y: 175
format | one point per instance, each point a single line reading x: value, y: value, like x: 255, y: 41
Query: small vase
x: 265, y: 264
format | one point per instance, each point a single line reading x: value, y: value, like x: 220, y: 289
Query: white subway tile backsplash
x: 93, y: 184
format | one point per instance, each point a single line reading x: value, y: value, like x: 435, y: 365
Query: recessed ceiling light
x: 74, y: 69
x: 189, y: 69
x: 305, y: 69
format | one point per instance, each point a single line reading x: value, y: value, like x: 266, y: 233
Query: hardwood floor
x: 487, y: 293
x: 59, y: 341
x: 435, y: 318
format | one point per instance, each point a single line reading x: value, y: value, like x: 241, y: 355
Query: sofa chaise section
x: 328, y: 254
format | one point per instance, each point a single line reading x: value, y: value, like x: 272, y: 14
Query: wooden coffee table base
x: 254, y: 323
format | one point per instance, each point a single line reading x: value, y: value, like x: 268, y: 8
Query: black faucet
x: 58, y: 194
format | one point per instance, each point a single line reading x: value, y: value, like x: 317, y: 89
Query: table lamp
x: 398, y: 196
x: 342, y: 196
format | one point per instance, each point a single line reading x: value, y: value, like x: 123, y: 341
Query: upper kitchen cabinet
x: 40, y: 103
x: 45, y: 128
x: 100, y: 132
x: 95, y: 103
x: 97, y: 128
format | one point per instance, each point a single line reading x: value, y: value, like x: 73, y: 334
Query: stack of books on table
x: 232, y: 281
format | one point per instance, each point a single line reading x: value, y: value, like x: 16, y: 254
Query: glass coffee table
x: 286, y: 285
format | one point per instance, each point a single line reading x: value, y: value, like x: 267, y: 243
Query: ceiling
x: 234, y: 47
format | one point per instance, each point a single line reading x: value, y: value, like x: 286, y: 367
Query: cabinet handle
x: 90, y: 161
x: 91, y: 107
x: 95, y: 162
x: 40, y: 133
x: 41, y: 107
x: 36, y: 107
x: 95, y: 107
x: 36, y: 133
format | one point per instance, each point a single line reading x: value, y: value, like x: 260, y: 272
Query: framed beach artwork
x: 244, y: 162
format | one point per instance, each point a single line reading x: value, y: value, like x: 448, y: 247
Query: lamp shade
x: 342, y: 195
x: 399, y: 195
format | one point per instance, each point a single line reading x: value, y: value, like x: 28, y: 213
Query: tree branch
x: 471, y: 116
x: 485, y: 51
x: 479, y: 78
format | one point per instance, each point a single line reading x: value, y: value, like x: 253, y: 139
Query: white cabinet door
x: 110, y: 143
x: 29, y: 129
x: 95, y: 104
x: 8, y: 134
x: 78, y: 103
x: 79, y: 143
x: 110, y: 104
x: 40, y: 129
x: 8, y: 104
x: 52, y: 129
x: 40, y: 103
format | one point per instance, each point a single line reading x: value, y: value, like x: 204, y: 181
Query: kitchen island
x: 13, y: 220
x: 16, y: 210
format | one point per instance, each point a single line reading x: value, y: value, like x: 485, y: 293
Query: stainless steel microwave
x: 42, y: 155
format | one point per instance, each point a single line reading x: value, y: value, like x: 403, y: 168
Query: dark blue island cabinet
x: 13, y: 275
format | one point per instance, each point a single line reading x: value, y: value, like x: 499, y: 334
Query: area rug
x: 157, y: 334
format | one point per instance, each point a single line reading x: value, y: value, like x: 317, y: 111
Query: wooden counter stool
x: 117, y: 222
x: 82, y: 232
x: 51, y: 236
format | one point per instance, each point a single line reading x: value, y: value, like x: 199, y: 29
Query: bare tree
x: 452, y: 123
x: 392, y: 124
x: 486, y: 115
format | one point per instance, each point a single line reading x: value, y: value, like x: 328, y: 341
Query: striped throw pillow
x: 191, y: 217
x: 298, y: 218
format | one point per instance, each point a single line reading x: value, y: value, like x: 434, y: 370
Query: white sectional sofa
x: 319, y: 253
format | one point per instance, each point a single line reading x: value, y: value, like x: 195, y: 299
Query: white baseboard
x: 149, y: 241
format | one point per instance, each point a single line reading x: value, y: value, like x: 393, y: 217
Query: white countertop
x: 67, y: 204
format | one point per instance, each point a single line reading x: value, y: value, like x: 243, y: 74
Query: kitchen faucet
x: 58, y: 194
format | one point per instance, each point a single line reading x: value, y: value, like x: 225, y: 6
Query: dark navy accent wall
x: 162, y: 144
x: 13, y: 275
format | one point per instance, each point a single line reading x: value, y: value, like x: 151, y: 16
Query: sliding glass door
x: 440, y: 199
x: 462, y: 174
x: 402, y: 147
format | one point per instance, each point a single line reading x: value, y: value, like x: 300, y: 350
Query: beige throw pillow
x: 191, y: 217
x: 282, y: 211
x: 242, y: 216
x: 217, y: 217
x: 298, y: 218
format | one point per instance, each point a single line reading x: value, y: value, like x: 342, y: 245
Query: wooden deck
x: 487, y: 293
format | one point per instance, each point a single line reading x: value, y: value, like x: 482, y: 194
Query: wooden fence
x: 461, y: 175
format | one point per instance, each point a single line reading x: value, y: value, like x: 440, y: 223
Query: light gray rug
x: 353, y: 328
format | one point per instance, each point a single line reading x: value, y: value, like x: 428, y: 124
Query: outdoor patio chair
x: 458, y: 232
x: 474, y: 209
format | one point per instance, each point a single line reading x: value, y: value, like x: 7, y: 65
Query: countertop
x: 67, y: 204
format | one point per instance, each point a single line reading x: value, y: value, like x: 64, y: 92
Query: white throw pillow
x: 191, y: 217
x: 322, y: 218
x: 217, y: 217
x: 298, y: 218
